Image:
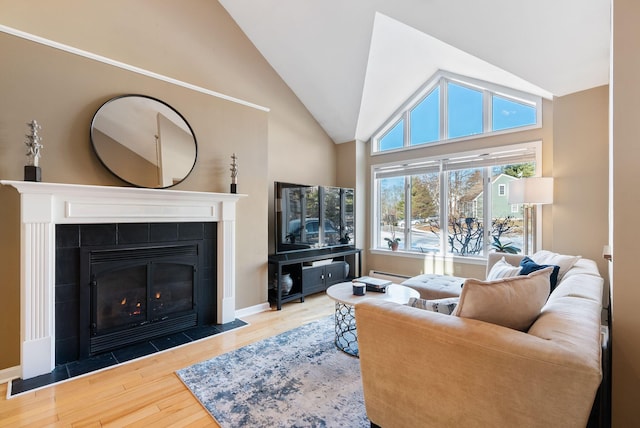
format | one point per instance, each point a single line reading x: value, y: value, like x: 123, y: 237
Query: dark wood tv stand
x: 307, y: 278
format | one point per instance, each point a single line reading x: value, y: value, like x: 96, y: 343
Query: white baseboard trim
x: 9, y: 374
x: 252, y: 310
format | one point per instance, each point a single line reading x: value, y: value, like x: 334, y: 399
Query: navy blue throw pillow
x: 529, y: 266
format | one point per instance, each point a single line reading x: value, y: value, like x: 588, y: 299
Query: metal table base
x: 346, y: 334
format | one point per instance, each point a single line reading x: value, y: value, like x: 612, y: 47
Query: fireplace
x: 133, y: 294
x: 45, y: 206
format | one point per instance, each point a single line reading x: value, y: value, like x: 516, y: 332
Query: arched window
x: 451, y: 107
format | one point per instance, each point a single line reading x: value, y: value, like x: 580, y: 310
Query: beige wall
x: 9, y: 277
x: 193, y: 41
x: 624, y: 204
x: 580, y: 171
x: 352, y: 172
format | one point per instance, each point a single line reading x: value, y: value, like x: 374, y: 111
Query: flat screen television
x: 313, y: 217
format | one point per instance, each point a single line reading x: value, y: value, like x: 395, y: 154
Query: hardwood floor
x: 147, y: 392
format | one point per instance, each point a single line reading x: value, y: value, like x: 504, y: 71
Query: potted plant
x: 504, y: 248
x: 393, y: 242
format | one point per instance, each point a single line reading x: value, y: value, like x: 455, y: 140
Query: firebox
x: 133, y: 294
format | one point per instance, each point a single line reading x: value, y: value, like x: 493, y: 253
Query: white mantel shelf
x: 43, y: 205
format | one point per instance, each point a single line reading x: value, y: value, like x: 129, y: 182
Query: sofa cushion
x: 503, y: 269
x: 510, y: 302
x: 529, y: 266
x: 565, y: 262
x: 443, y: 306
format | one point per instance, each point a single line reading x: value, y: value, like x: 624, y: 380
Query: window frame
x: 441, y: 79
x: 404, y: 168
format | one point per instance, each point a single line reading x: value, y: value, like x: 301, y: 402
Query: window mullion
x: 444, y: 117
x: 486, y: 208
x: 407, y: 213
x: 444, y: 209
x: 407, y: 128
x: 375, y: 209
x: 487, y: 111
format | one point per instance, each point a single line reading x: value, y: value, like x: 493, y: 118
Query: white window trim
x: 441, y: 78
x: 375, y: 219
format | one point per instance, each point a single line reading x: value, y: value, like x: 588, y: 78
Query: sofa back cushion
x: 563, y: 261
x: 510, y: 302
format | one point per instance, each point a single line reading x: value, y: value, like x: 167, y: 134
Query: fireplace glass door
x: 140, y: 293
x: 123, y: 300
x: 120, y: 298
x: 171, y: 289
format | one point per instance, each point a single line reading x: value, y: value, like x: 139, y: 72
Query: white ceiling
x: 353, y: 63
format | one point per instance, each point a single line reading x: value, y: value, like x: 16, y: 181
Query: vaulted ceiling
x: 352, y: 63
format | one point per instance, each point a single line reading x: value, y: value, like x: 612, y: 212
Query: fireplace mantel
x: 43, y: 205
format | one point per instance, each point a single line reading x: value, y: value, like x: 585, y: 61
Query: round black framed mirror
x: 144, y: 141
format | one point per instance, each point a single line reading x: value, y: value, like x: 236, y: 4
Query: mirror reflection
x: 143, y: 141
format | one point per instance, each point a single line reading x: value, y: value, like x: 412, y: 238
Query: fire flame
x: 124, y: 301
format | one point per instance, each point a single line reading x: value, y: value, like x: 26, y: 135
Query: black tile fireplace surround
x: 44, y: 206
x: 71, y: 241
x: 74, y: 241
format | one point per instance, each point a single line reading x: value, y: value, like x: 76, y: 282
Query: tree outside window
x: 476, y: 207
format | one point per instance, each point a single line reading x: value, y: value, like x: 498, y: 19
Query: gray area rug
x: 295, y: 379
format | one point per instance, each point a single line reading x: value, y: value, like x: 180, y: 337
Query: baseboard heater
x: 393, y: 277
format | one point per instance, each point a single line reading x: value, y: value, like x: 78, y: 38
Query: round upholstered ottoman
x: 433, y: 286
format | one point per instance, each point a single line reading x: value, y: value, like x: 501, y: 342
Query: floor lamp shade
x: 529, y: 192
x: 532, y: 190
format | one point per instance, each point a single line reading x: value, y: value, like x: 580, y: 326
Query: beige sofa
x: 422, y: 368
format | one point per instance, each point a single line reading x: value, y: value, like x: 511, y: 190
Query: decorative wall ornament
x: 234, y: 173
x: 32, y: 170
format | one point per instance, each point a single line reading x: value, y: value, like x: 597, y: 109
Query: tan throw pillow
x: 510, y: 302
x: 565, y: 262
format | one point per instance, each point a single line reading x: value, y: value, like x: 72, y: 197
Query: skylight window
x: 451, y: 107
